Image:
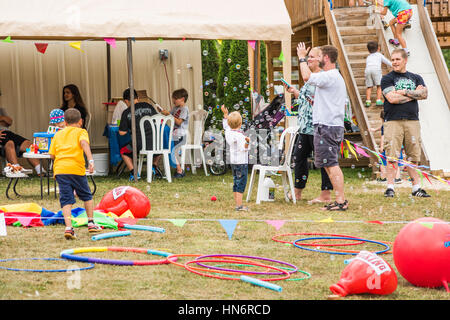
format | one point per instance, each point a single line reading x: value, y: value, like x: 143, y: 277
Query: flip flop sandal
x: 337, y: 206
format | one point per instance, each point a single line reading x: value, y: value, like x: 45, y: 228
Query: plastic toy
x: 366, y: 273
x: 261, y: 283
x: 213, y: 198
x: 42, y: 140
x: 91, y: 265
x: 347, y: 252
x: 422, y: 253
x: 110, y: 235
x: 124, y: 198
x: 144, y: 228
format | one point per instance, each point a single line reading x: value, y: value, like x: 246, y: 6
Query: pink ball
x: 421, y: 252
x: 213, y: 198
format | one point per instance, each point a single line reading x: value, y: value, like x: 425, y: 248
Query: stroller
x: 267, y: 119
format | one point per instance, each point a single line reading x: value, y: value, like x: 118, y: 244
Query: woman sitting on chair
x: 72, y: 99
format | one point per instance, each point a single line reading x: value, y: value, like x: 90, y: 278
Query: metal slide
x: 434, y: 113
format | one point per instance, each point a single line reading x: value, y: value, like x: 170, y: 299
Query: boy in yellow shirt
x: 66, y: 150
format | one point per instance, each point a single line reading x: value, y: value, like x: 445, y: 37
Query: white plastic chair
x: 88, y: 121
x: 198, y: 119
x: 285, y: 167
x: 157, y: 123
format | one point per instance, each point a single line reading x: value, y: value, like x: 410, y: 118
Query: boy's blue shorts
x: 68, y: 183
x: 240, y: 174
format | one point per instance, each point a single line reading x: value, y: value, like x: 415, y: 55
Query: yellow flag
x: 329, y: 220
x: 219, y: 41
x: 76, y: 45
x: 351, y: 149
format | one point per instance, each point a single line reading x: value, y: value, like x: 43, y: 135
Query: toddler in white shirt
x: 238, y: 145
x: 373, y: 72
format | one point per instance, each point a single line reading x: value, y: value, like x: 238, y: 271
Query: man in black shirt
x: 141, y: 109
x: 402, y: 89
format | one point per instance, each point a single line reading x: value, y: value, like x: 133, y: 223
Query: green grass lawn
x: 190, y: 199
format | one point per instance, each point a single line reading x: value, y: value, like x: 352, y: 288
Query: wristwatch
x: 91, y: 161
x: 302, y: 60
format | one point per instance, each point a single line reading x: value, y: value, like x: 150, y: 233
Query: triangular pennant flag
x: 229, y: 226
x: 351, y: 150
x: 326, y: 220
x: 8, y: 39
x: 426, y: 176
x: 219, y: 41
x: 111, y: 42
x: 342, y: 148
x: 421, y: 177
x: 25, y: 221
x: 2, y: 225
x: 41, y: 47
x: 184, y: 38
x: 76, y: 45
x: 281, y: 57
x: 361, y: 151
x: 428, y: 225
x: 160, y: 39
x: 178, y: 222
x: 375, y: 221
x: 252, y: 43
x: 276, y: 223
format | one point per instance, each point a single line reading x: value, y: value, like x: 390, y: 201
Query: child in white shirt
x: 238, y: 144
x: 373, y: 72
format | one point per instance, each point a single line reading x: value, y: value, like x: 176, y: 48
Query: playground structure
x: 349, y: 29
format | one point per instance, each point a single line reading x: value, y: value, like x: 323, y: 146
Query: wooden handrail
x: 435, y: 51
x: 352, y: 88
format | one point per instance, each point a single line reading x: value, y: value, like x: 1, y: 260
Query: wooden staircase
x: 356, y: 28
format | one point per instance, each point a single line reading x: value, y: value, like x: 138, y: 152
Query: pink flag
x: 361, y: 151
x: 252, y: 43
x: 276, y: 223
x: 111, y: 42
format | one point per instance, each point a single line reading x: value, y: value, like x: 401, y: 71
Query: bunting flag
x: 220, y: 42
x: 8, y: 40
x: 41, y: 47
x: 178, y: 222
x: 327, y: 220
x: 342, y: 148
x: 281, y: 57
x: 229, y: 226
x: 184, y: 38
x: 375, y: 221
x: 361, y: 151
x: 351, y: 150
x: 111, y: 42
x: 252, y: 43
x: 428, y: 225
x: 426, y: 177
x: 76, y: 45
x: 160, y: 39
x: 276, y: 223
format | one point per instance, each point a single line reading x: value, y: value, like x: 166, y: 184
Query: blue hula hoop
x: 341, y: 253
x: 91, y: 265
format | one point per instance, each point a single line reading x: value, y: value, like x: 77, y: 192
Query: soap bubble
x: 229, y: 60
x: 205, y: 52
x: 238, y: 66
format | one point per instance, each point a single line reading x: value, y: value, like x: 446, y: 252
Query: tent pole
x: 133, y: 118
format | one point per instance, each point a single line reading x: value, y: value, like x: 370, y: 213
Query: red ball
x: 213, y: 198
x: 124, y: 198
x: 421, y: 252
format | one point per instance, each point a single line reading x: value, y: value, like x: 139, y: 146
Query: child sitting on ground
x: 66, y: 150
x: 373, y: 73
x: 238, y: 144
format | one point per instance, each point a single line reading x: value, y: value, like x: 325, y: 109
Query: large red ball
x: 125, y: 198
x: 421, y: 252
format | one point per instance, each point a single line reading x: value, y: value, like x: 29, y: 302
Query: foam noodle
x: 110, y: 235
x: 261, y: 283
x: 145, y: 228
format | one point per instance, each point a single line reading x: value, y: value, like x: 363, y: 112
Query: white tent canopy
x: 192, y: 19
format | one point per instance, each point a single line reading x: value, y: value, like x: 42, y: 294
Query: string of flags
x: 356, y: 149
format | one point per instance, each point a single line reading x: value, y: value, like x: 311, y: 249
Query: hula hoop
x: 70, y: 254
x: 91, y: 265
x: 246, y: 257
x: 175, y: 256
x: 230, y: 278
x: 342, y: 253
x: 274, y: 238
x: 285, y: 268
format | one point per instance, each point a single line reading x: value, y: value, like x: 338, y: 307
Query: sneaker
x: 421, y: 193
x: 69, y: 234
x: 381, y: 179
x: 179, y: 175
x: 92, y: 227
x: 385, y: 24
x: 158, y: 174
x: 368, y: 103
x: 242, y: 208
x: 407, y: 25
x: 379, y: 103
x: 132, y: 177
x: 389, y: 193
x: 398, y: 180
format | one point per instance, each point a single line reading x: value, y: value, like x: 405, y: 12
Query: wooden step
x: 352, y: 31
x: 356, y: 48
x: 357, y: 22
x: 359, y: 39
x: 357, y: 63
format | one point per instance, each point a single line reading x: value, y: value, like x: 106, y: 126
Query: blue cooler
x: 43, y: 140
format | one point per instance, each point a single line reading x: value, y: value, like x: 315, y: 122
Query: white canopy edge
x: 145, y: 19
